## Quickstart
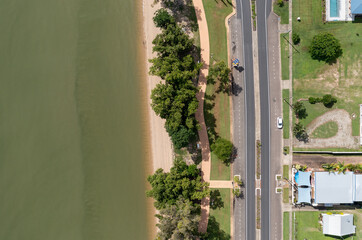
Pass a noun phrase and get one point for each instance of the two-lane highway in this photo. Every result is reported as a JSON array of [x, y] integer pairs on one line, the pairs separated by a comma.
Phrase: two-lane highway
[[263, 10], [244, 14]]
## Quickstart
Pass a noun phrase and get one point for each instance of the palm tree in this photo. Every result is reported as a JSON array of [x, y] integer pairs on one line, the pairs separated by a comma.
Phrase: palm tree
[[341, 168]]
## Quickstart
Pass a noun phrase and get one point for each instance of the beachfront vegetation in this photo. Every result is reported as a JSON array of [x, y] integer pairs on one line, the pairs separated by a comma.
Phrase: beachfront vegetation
[[162, 18], [223, 149], [325, 47], [175, 98], [219, 74], [183, 181], [179, 221]]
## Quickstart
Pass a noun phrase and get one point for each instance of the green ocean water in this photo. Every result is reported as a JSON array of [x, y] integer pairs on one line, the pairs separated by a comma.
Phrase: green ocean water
[[71, 161]]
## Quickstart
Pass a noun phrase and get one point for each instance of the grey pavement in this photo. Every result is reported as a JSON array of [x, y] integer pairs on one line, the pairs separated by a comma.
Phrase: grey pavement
[[244, 17], [238, 98]]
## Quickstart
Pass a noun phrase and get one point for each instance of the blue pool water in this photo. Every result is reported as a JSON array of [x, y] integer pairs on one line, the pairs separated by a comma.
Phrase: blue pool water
[[296, 176], [334, 11]]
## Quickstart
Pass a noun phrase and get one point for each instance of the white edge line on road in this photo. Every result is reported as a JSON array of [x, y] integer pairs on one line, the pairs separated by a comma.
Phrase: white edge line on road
[[267, 68], [246, 118]]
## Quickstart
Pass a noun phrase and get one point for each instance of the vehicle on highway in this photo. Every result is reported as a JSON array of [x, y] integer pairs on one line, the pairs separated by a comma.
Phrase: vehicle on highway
[[280, 122]]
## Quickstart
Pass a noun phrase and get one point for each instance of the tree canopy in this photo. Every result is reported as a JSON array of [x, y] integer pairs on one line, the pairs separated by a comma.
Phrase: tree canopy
[[175, 99], [300, 110], [325, 47], [162, 18], [220, 73], [300, 132], [223, 149], [183, 181], [179, 221]]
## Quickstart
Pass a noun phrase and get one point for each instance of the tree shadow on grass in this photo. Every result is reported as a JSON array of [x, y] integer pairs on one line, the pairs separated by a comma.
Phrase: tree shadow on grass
[[210, 119], [214, 232], [216, 201]]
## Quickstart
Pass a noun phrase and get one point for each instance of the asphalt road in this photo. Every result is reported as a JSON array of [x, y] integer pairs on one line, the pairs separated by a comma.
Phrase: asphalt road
[[244, 13], [263, 10]]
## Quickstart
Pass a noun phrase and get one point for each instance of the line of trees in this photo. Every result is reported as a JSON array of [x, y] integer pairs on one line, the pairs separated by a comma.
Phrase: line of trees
[[177, 196], [175, 98]]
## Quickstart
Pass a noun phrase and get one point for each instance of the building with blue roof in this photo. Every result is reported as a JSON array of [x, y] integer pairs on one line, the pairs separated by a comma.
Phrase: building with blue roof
[[356, 8]]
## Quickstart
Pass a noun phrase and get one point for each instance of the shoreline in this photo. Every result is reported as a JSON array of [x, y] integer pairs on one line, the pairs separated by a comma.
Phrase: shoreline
[[158, 152]]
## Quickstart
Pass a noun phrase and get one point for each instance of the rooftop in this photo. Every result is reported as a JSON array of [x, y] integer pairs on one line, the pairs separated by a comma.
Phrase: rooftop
[[338, 224], [356, 6]]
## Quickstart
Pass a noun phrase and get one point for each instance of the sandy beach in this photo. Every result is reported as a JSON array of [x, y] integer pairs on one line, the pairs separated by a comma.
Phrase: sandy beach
[[160, 152], [161, 147]]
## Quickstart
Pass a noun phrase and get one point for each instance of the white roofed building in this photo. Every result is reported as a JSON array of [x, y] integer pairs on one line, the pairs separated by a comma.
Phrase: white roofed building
[[338, 224]]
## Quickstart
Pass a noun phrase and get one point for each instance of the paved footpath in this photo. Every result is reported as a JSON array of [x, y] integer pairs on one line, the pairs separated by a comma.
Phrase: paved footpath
[[204, 141]]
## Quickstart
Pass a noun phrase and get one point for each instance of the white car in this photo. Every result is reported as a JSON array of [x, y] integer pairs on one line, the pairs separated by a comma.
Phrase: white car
[[280, 122]]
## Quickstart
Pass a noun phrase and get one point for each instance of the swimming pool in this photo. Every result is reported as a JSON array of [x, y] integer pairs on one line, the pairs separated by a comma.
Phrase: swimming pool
[[334, 10], [296, 177]]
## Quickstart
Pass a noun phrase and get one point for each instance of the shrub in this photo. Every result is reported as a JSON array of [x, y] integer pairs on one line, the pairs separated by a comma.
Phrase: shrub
[[312, 100], [295, 38], [300, 132], [280, 3], [325, 47], [328, 100]]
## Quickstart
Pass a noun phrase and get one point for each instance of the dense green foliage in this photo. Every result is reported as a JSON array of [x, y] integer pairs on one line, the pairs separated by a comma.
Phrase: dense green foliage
[[300, 132], [175, 98], [280, 3], [223, 149], [162, 18], [182, 181], [220, 73], [328, 100], [295, 38], [300, 110], [179, 221], [325, 47]]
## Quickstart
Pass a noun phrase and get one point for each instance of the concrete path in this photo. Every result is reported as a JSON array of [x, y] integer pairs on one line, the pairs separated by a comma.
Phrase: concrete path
[[221, 184], [204, 141], [343, 138]]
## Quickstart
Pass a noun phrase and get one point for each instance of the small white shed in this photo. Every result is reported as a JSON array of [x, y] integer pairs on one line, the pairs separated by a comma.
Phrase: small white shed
[[338, 224]]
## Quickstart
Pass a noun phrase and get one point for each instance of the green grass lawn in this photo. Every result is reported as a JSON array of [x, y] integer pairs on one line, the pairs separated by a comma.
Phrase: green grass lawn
[[286, 171], [285, 195], [307, 226], [327, 130], [222, 216], [284, 55], [286, 114], [283, 12], [217, 105], [286, 226], [313, 78]]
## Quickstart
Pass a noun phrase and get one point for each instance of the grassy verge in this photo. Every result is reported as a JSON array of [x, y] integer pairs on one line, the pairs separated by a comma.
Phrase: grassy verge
[[253, 11], [327, 130], [285, 195], [222, 217], [342, 79], [286, 114], [307, 226], [286, 226], [283, 12], [217, 105], [284, 55], [286, 171]]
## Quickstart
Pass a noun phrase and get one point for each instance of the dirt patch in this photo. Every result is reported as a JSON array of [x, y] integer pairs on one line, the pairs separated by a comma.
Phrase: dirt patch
[[316, 161]]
